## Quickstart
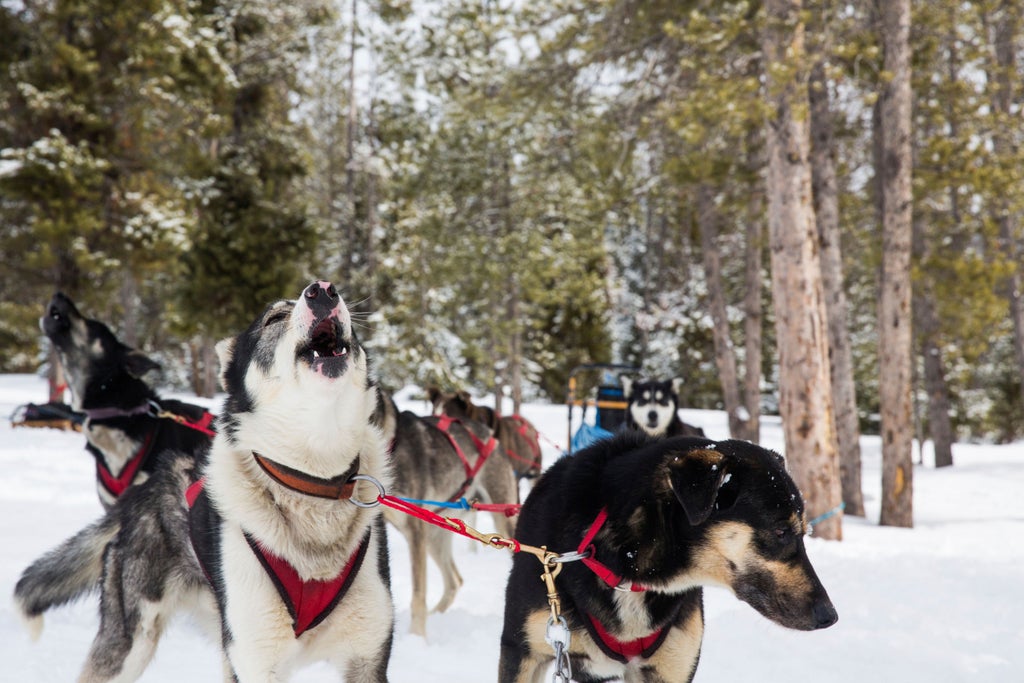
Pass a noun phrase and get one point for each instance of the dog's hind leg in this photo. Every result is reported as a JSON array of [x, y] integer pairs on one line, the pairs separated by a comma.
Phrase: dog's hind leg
[[125, 643], [439, 546], [131, 620], [418, 557]]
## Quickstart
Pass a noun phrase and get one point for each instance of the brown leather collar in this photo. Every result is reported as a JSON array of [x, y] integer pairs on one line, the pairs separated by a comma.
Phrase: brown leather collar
[[335, 488]]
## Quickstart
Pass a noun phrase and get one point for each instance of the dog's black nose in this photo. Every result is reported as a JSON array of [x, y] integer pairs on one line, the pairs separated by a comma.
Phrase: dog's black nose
[[321, 295], [825, 614]]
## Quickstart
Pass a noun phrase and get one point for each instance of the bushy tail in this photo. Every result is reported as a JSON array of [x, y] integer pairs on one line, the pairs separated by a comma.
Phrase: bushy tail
[[64, 574]]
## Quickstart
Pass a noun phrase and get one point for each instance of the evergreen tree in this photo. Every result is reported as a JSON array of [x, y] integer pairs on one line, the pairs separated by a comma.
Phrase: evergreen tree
[[253, 237]]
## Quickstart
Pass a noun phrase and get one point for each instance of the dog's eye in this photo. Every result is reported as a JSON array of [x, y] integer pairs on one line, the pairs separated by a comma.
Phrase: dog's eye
[[783, 534], [275, 317]]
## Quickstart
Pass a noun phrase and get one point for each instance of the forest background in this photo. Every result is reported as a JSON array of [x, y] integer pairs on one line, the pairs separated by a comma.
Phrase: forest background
[[505, 190]]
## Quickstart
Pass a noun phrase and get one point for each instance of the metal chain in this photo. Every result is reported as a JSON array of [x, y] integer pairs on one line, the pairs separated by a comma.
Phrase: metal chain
[[559, 637]]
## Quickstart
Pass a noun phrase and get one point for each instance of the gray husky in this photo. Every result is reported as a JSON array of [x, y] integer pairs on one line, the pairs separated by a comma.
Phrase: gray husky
[[427, 459], [128, 427], [264, 537]]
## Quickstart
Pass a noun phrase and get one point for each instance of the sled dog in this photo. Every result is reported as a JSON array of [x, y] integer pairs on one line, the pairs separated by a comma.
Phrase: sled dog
[[263, 536], [517, 434], [652, 406], [444, 460], [128, 427], [656, 519]]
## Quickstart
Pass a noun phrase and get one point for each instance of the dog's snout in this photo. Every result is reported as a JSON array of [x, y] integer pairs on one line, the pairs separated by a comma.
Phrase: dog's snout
[[321, 293], [825, 614]]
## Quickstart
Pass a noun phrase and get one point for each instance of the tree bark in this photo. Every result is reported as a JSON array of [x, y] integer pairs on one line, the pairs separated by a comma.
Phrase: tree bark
[[940, 427], [752, 307], [826, 202], [725, 354], [894, 314], [1004, 74], [130, 307], [57, 380], [805, 386]]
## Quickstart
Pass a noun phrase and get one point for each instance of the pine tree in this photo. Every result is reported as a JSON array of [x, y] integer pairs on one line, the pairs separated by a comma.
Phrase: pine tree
[[253, 236]]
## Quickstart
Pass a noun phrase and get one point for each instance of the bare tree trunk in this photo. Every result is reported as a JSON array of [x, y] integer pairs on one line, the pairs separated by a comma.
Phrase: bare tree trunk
[[130, 306], [826, 202], [203, 366], [1007, 26], [349, 228], [753, 314], [515, 348], [725, 355], [940, 427], [894, 315], [57, 381], [209, 375], [805, 384]]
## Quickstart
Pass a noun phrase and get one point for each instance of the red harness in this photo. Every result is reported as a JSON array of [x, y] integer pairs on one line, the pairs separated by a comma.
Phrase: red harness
[[622, 651], [523, 427], [599, 568], [118, 484], [308, 602], [484, 449]]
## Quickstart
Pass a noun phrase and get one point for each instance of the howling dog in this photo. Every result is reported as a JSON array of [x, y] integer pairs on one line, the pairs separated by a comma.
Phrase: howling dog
[[519, 437], [128, 426], [644, 523], [653, 407], [441, 459], [266, 539]]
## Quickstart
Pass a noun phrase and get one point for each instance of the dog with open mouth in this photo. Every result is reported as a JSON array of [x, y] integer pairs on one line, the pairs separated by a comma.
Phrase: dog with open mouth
[[273, 538], [128, 425]]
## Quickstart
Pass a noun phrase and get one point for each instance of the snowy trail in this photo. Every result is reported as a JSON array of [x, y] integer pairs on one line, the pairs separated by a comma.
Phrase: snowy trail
[[941, 603]]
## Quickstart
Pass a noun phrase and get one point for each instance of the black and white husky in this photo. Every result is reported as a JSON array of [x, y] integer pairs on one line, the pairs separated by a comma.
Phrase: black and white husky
[[264, 537], [652, 407], [128, 427]]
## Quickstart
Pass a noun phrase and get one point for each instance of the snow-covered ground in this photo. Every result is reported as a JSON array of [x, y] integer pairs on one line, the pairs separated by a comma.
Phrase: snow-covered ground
[[942, 602]]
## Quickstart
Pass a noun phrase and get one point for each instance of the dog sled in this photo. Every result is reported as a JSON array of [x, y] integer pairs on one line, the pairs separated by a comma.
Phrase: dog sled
[[54, 415], [608, 401]]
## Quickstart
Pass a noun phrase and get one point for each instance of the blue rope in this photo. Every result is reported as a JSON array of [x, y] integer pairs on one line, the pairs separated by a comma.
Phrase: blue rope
[[831, 513], [460, 504]]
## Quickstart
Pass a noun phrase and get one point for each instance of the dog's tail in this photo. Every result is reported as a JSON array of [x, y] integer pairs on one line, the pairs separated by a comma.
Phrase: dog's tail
[[64, 574]]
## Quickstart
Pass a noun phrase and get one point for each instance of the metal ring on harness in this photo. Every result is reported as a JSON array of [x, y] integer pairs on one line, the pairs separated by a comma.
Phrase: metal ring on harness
[[380, 489], [572, 557]]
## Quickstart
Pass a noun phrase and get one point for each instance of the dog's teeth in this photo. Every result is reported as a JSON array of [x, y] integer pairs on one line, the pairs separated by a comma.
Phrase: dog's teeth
[[316, 354]]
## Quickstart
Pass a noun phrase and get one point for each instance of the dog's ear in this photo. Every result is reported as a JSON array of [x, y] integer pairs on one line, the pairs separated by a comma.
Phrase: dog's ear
[[225, 350], [627, 386], [677, 384], [695, 477], [138, 364], [465, 397]]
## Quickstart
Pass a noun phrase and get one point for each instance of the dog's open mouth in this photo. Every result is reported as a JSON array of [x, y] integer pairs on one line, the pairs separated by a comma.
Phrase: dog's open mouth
[[327, 351]]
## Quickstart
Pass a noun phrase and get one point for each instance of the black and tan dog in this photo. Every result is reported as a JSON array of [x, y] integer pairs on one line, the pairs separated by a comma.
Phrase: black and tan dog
[[128, 426], [517, 434], [656, 519]]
